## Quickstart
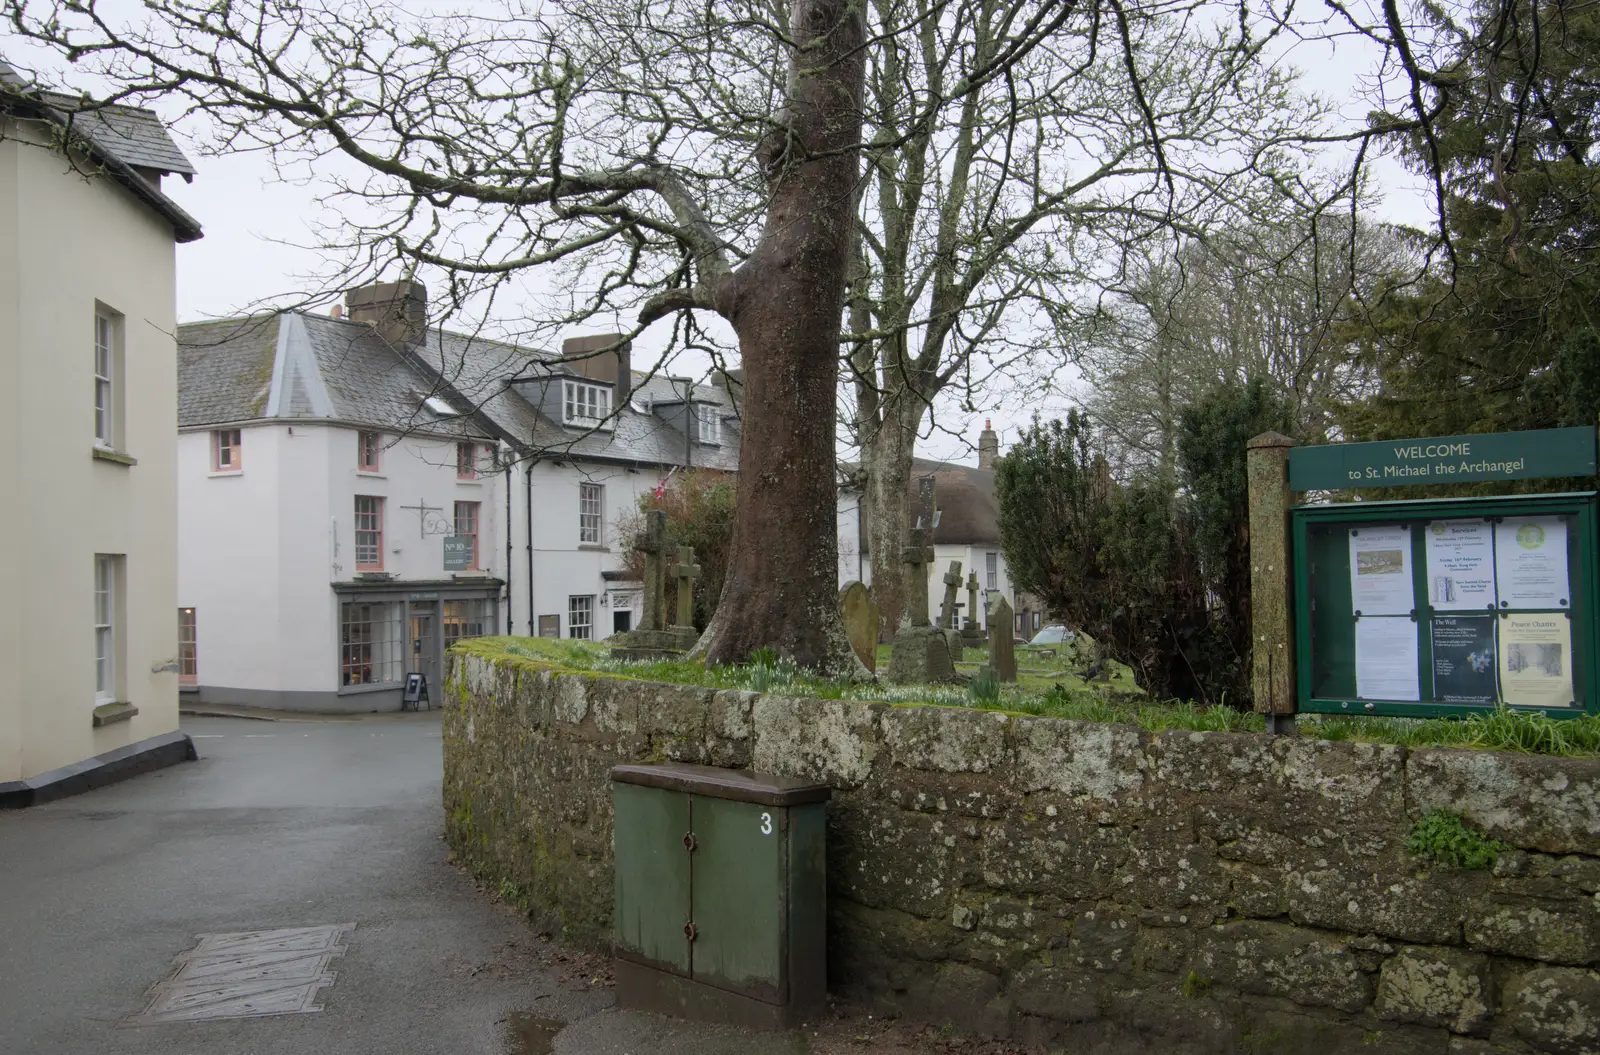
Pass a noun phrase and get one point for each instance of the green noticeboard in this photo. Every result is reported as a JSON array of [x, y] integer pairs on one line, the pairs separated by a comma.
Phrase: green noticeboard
[[458, 552], [1535, 454], [1429, 608]]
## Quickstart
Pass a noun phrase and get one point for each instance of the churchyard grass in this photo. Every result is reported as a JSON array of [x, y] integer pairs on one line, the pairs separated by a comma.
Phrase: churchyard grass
[[1061, 694]]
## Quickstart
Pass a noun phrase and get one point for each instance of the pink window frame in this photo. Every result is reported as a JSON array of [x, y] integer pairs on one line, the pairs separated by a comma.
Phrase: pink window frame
[[476, 511], [362, 462], [235, 451], [360, 565], [466, 461]]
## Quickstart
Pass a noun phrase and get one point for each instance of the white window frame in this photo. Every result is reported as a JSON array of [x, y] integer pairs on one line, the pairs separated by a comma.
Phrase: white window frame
[[580, 617], [107, 572], [708, 419], [107, 379], [585, 403], [991, 570], [591, 514]]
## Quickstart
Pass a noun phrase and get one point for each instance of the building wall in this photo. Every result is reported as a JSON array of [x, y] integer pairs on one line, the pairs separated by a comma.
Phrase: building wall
[[68, 243], [263, 546], [853, 566], [11, 440], [563, 567]]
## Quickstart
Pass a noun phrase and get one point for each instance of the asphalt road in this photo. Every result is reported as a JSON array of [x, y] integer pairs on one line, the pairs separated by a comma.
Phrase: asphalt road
[[279, 825]]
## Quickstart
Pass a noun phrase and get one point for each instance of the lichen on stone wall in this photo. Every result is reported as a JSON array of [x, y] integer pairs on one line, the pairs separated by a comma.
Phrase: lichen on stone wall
[[1088, 885]]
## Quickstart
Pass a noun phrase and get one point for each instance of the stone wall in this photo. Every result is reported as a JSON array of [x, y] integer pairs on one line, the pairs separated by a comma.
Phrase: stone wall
[[1088, 886]]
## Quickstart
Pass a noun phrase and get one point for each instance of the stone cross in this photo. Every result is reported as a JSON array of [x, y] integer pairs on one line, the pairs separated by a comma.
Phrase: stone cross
[[919, 555], [686, 571], [972, 602], [653, 543], [1002, 649], [952, 583]]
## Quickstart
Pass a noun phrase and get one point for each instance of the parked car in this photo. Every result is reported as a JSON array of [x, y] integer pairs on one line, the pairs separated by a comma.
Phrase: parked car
[[1054, 634]]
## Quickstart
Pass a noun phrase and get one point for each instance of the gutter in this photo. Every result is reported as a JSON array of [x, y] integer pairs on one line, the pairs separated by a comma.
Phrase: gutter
[[529, 512], [510, 594]]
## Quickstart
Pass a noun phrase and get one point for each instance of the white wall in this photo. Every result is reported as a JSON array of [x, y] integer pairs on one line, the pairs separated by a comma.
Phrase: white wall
[[262, 547], [972, 559], [67, 242], [562, 568]]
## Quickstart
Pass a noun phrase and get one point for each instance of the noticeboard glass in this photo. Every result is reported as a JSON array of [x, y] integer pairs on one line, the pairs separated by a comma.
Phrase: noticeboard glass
[[1424, 608]]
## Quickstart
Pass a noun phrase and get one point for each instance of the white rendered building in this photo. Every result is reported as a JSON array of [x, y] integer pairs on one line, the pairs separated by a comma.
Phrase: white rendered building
[[88, 624], [967, 529], [358, 491]]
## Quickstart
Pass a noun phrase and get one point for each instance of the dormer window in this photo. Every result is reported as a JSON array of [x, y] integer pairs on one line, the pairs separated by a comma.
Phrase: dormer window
[[709, 422], [586, 404]]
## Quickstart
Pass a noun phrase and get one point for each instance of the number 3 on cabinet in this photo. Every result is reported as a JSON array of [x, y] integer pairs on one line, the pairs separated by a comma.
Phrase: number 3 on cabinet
[[766, 824]]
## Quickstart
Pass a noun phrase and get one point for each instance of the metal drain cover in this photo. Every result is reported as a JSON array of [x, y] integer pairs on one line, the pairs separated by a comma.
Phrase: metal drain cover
[[248, 975]]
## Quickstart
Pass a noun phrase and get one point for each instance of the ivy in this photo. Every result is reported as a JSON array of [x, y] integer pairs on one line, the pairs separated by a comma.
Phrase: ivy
[[1445, 837]]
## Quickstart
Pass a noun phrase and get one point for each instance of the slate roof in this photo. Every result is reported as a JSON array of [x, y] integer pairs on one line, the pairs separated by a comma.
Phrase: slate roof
[[298, 365], [134, 135], [121, 139]]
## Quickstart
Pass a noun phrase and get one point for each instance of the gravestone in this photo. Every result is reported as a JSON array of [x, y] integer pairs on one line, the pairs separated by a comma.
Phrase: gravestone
[[972, 635], [919, 555], [655, 638], [952, 583], [1002, 650], [921, 654], [860, 616], [655, 546], [686, 571]]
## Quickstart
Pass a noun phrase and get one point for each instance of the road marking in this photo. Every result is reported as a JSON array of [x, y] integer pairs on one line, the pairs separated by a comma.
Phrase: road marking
[[250, 974]]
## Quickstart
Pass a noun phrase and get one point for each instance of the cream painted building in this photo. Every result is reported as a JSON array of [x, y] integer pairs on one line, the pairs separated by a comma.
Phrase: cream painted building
[[89, 652]]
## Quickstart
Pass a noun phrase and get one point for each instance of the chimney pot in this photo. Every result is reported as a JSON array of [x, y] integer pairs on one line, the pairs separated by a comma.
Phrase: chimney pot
[[988, 447], [337, 311]]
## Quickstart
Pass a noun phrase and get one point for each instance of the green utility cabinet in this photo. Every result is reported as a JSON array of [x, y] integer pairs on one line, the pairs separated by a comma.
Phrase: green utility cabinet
[[720, 894]]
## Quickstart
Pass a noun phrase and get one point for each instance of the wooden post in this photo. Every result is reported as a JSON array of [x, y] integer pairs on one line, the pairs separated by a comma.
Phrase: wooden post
[[1272, 676]]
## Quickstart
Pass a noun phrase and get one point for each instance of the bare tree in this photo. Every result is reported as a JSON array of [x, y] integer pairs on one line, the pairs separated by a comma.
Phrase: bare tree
[[1275, 298], [1130, 124]]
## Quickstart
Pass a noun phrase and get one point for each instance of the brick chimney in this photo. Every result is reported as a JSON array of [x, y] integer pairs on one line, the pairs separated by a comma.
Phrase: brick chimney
[[398, 311], [988, 447], [614, 367]]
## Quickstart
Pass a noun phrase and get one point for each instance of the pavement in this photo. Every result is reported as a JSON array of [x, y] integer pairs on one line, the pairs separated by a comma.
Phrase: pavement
[[290, 824]]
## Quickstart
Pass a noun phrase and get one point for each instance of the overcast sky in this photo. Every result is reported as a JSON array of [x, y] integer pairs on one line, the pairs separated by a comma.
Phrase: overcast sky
[[260, 227]]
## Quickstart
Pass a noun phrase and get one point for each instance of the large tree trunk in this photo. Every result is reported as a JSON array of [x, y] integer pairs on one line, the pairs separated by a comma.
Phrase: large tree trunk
[[786, 304], [887, 459]]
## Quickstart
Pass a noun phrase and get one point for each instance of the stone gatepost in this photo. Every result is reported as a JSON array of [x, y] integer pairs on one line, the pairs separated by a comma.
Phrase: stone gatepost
[[1272, 674]]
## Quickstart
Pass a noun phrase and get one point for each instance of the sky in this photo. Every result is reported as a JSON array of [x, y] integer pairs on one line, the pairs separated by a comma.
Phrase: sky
[[260, 232]]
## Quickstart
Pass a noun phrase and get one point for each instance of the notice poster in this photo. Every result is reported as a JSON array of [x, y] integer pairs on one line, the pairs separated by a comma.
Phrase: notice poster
[[1536, 660], [1460, 565], [1386, 658], [1530, 561], [1463, 659], [1380, 570]]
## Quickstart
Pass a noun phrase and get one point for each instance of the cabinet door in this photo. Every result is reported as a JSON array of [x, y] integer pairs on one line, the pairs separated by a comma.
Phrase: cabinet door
[[739, 897], [652, 875]]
